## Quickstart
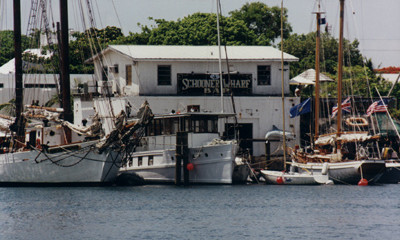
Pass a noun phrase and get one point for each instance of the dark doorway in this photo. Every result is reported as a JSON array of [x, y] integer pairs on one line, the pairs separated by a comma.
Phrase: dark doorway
[[32, 138], [244, 133]]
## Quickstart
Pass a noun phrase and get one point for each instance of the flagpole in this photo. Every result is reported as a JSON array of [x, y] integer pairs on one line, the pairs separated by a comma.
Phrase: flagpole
[[317, 71], [283, 92], [340, 72]]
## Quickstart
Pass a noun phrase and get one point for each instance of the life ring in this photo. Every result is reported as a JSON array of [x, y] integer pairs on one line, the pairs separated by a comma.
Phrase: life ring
[[363, 152], [356, 122]]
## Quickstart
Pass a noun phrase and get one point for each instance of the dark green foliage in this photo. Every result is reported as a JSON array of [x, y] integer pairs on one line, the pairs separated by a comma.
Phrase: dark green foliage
[[7, 45]]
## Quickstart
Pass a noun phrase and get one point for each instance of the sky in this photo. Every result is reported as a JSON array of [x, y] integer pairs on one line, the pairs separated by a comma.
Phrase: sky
[[376, 24]]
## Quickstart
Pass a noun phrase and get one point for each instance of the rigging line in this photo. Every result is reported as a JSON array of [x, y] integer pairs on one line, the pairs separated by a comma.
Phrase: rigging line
[[116, 13]]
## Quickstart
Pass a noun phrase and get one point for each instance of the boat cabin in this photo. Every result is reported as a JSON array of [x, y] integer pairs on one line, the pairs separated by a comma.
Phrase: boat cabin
[[201, 128]]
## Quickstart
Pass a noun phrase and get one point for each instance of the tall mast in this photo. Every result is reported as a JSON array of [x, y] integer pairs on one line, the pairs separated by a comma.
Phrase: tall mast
[[66, 95], [221, 81], [317, 71], [18, 67], [283, 92], [340, 72]]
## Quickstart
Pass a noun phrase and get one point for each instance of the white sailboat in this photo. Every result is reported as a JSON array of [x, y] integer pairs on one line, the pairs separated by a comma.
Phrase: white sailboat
[[36, 144]]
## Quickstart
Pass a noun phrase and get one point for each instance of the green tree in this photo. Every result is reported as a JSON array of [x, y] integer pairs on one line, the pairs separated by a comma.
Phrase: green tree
[[303, 47], [7, 45], [264, 21], [195, 29], [88, 43]]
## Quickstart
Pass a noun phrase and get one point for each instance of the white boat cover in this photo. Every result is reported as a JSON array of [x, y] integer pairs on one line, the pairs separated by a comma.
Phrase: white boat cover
[[345, 137]]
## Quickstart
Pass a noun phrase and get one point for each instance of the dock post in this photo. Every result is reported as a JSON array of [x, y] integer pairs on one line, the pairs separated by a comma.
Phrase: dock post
[[178, 158], [185, 156]]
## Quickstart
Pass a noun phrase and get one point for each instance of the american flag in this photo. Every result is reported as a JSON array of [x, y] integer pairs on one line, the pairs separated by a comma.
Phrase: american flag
[[346, 107], [377, 106]]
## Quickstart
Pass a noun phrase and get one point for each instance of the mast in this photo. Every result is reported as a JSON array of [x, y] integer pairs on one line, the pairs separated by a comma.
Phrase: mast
[[340, 72], [65, 81], [66, 94], [219, 59], [317, 71], [18, 68], [283, 92]]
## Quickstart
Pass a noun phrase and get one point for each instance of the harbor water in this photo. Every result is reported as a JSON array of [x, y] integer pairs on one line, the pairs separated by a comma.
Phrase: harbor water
[[201, 212]]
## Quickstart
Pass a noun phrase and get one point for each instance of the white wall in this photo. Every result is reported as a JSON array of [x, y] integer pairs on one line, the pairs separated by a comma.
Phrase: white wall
[[144, 74], [262, 112]]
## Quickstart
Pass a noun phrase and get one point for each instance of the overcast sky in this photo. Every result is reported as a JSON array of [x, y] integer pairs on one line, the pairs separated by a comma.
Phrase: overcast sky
[[375, 23]]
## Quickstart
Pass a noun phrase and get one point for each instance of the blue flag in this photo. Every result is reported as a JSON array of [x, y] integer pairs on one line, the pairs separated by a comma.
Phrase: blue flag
[[302, 108]]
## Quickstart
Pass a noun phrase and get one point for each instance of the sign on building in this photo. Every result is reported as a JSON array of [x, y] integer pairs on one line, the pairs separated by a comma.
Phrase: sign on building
[[199, 84]]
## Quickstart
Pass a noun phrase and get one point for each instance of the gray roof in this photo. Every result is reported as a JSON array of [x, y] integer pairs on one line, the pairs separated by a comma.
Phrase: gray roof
[[198, 53]]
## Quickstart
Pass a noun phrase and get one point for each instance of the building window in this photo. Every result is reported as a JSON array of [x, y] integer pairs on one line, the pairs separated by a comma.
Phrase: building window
[[39, 85], [128, 75], [150, 161], [164, 75], [264, 75], [1, 85]]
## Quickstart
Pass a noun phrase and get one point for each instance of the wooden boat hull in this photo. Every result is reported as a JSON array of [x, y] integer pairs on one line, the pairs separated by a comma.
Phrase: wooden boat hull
[[71, 164], [349, 172]]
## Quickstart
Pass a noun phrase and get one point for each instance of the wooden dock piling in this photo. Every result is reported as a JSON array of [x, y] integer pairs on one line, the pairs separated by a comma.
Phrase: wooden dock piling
[[182, 155]]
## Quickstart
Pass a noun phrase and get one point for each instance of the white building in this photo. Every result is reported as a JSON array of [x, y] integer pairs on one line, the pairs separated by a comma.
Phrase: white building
[[37, 87], [184, 78]]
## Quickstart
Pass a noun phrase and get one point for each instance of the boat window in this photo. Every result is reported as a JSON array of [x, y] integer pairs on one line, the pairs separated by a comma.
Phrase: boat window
[[140, 161], [150, 129], [1, 85], [264, 75], [158, 127], [211, 126], [175, 127], [164, 74], [150, 161], [196, 125], [168, 126], [187, 127]]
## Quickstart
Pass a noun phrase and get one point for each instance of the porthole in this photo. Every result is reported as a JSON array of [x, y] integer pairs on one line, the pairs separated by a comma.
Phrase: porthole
[[52, 133]]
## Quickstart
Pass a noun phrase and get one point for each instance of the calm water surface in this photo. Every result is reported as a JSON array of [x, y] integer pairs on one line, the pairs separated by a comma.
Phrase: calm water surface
[[201, 212]]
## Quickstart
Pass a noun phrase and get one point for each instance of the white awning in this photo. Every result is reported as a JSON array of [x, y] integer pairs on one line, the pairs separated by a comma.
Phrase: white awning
[[308, 78]]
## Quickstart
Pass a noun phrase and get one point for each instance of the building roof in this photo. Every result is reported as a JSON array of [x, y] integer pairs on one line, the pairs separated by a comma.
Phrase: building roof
[[198, 53]]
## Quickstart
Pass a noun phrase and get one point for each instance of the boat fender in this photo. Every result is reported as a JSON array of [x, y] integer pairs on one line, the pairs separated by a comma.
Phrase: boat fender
[[325, 168], [385, 153], [190, 166], [38, 143], [279, 180]]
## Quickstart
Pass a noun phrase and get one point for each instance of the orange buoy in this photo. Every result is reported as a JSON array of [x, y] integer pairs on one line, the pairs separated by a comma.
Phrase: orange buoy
[[279, 180], [190, 166], [363, 182]]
